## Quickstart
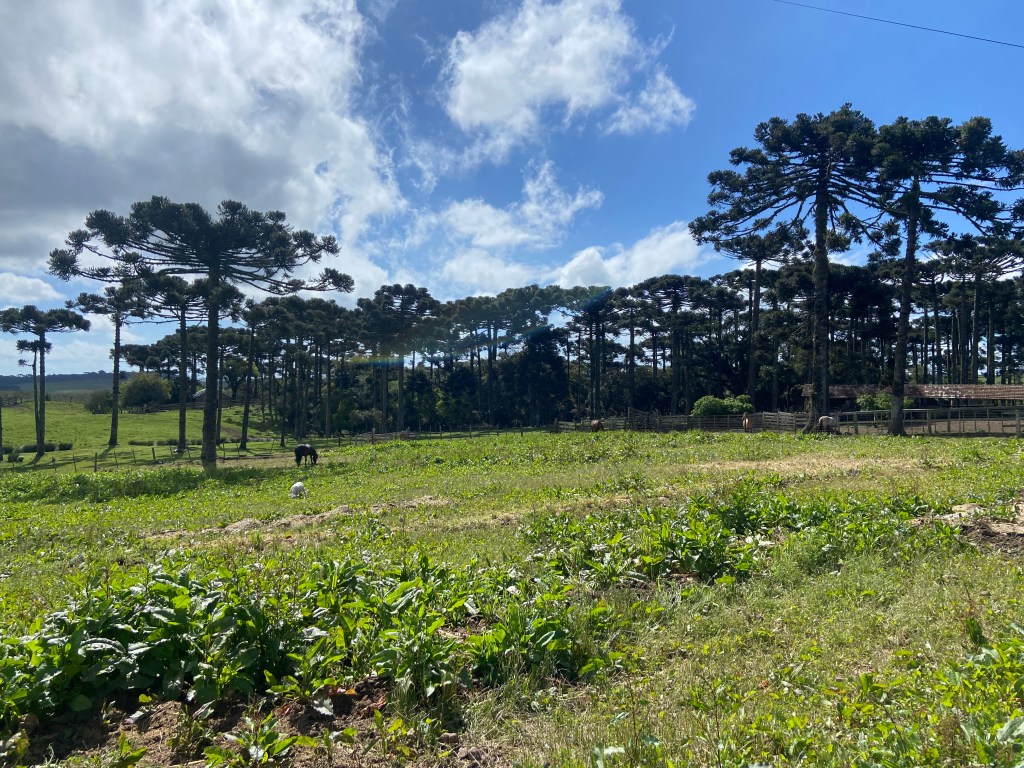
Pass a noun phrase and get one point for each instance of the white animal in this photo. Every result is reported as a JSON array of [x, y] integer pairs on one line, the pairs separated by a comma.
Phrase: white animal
[[299, 489]]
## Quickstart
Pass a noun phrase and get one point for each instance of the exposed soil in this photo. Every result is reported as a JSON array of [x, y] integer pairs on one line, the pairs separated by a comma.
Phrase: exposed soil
[[158, 727], [292, 523], [978, 525]]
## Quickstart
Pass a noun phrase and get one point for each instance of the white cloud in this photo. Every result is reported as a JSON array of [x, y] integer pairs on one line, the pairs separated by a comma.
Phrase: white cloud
[[666, 250], [196, 100], [17, 290], [538, 220], [484, 225], [659, 107], [481, 272], [574, 56], [78, 352]]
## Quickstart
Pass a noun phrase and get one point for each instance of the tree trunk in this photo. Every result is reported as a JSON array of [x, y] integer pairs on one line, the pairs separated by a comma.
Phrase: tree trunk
[[115, 391], [899, 367], [243, 442], [937, 340], [41, 408], [220, 394], [990, 349], [327, 388], [755, 320], [183, 387], [211, 404], [400, 404], [974, 365], [819, 330]]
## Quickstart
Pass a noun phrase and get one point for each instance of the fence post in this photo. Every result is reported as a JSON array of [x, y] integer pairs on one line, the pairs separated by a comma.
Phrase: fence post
[[75, 461], [856, 422], [95, 462], [1017, 410], [928, 420], [133, 456], [153, 448]]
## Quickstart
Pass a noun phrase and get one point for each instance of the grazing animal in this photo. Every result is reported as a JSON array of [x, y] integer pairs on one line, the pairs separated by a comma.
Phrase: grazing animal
[[748, 423], [827, 424], [596, 425], [305, 451], [299, 489]]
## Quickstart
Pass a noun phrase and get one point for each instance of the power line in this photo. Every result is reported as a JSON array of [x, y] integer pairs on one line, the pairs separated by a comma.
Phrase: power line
[[900, 23]]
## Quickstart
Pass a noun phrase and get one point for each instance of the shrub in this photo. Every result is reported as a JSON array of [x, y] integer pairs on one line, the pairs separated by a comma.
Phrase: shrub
[[880, 402], [716, 406], [31, 448], [145, 391], [709, 406], [99, 401]]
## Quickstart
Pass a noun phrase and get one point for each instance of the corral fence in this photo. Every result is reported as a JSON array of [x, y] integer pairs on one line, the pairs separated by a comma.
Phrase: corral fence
[[968, 420], [1007, 421], [656, 422]]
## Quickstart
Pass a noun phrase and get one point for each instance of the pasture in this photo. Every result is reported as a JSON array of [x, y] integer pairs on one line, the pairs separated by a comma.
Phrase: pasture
[[605, 599], [143, 438]]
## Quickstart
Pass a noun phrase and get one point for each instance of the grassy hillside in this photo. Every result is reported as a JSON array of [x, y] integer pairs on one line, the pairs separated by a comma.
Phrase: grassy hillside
[[581, 600], [141, 436], [59, 383]]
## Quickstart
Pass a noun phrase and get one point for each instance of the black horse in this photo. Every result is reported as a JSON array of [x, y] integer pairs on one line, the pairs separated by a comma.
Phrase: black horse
[[305, 451]]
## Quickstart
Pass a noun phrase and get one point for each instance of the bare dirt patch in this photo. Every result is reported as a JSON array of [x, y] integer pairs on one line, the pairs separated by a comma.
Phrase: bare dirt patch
[[292, 523], [980, 526], [159, 729]]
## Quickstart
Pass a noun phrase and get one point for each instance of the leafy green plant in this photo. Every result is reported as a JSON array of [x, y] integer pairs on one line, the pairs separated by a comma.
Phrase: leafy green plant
[[190, 735], [256, 743], [123, 755], [314, 678]]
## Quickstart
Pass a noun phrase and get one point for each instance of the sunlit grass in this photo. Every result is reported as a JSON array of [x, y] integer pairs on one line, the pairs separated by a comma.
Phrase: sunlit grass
[[746, 667]]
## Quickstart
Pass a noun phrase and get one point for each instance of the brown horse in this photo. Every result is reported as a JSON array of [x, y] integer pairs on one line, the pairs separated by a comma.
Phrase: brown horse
[[596, 425], [748, 422], [305, 451]]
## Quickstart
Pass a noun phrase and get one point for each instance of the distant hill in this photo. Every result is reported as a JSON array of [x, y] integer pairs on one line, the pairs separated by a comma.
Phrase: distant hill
[[59, 382]]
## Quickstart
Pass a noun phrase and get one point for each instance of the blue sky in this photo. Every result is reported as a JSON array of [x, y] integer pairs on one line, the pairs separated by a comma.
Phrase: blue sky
[[464, 146]]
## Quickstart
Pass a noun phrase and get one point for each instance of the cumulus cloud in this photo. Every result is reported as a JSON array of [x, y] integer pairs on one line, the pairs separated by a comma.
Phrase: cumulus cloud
[[538, 220], [574, 57], [17, 290], [103, 103], [481, 272], [666, 250], [659, 107]]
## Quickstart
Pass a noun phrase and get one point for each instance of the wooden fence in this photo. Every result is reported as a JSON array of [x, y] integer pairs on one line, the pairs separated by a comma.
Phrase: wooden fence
[[654, 422], [1007, 421]]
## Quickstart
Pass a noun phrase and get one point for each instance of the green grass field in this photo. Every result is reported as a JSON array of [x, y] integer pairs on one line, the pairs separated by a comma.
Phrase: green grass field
[[618, 599], [142, 437]]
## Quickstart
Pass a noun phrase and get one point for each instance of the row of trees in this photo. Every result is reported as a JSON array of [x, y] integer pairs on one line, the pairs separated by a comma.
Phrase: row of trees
[[813, 187], [531, 355], [831, 180]]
